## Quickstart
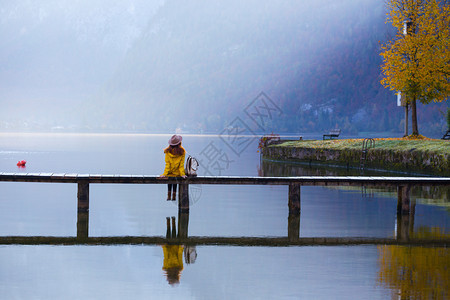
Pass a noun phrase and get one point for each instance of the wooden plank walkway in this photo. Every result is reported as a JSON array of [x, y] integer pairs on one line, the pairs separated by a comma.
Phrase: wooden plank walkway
[[231, 180]]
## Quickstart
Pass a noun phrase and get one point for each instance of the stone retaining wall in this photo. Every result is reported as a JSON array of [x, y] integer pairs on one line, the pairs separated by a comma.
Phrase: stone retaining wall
[[412, 161]]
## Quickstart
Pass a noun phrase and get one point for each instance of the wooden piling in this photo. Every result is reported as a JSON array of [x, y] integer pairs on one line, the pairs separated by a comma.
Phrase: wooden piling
[[83, 196], [82, 224], [183, 197], [405, 221], [174, 228], [293, 227], [403, 228], [168, 231], [403, 200], [294, 199], [183, 224]]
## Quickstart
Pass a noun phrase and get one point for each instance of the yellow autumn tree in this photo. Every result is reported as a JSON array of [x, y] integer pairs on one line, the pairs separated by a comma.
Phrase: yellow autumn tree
[[417, 61]]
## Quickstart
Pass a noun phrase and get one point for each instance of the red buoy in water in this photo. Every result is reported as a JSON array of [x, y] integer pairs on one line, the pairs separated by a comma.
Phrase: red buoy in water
[[21, 163]]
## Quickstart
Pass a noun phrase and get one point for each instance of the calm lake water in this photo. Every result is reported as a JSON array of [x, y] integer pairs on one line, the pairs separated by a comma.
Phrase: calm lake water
[[213, 271]]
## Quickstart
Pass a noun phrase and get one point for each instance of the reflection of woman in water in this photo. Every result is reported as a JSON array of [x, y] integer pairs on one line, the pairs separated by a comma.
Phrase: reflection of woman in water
[[173, 262], [173, 256]]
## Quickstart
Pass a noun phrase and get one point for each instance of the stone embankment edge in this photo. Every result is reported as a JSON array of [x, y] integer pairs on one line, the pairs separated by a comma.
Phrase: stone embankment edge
[[411, 161]]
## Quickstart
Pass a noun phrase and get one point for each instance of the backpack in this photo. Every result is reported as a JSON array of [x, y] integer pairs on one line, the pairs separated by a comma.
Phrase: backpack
[[191, 166]]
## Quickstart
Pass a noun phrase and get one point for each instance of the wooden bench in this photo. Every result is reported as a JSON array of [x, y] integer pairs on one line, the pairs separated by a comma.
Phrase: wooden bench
[[446, 135], [333, 133]]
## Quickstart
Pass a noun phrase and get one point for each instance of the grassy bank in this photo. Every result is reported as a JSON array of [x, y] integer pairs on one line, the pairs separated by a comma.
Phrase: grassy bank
[[415, 154]]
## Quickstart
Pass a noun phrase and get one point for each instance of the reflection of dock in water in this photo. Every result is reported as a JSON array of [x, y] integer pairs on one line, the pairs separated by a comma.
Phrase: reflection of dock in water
[[219, 241], [177, 234]]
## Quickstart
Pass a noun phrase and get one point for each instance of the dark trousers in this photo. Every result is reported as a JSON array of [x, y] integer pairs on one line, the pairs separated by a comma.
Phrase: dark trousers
[[172, 187]]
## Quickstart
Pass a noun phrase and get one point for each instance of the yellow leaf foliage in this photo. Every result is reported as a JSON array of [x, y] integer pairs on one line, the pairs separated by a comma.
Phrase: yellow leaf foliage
[[418, 63]]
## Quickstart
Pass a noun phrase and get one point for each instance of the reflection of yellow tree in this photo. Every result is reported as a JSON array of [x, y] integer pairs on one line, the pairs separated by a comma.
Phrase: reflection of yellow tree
[[416, 272]]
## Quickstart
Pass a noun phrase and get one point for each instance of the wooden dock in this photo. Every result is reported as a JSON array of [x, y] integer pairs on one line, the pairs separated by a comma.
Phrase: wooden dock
[[233, 180], [84, 180], [405, 209]]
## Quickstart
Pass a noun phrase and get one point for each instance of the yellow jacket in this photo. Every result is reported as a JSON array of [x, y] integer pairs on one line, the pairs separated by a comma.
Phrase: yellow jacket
[[174, 164]]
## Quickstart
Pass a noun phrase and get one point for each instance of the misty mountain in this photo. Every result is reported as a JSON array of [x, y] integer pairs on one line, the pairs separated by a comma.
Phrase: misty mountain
[[196, 65], [199, 64]]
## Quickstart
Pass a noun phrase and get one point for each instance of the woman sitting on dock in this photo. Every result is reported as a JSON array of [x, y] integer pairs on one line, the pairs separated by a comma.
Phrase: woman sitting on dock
[[175, 155]]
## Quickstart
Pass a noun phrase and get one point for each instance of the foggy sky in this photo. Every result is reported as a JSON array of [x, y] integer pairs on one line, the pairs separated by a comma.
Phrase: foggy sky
[[71, 63]]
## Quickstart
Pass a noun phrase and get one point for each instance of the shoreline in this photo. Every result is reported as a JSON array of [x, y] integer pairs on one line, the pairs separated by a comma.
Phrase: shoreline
[[422, 156]]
